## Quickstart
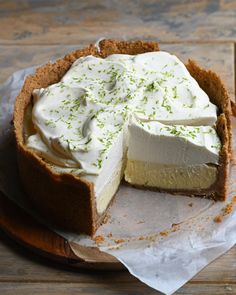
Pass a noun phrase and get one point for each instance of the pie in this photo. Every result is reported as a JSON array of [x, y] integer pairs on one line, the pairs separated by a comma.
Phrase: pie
[[123, 110]]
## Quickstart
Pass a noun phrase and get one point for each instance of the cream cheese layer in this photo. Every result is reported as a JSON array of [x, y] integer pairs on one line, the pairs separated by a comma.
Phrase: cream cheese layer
[[172, 177], [82, 121]]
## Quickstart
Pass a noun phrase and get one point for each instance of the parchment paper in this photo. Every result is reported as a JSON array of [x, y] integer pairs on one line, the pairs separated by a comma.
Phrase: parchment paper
[[163, 240]]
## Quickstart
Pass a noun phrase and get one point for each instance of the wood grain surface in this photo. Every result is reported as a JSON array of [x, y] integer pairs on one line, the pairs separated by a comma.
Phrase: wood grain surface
[[33, 32], [73, 22]]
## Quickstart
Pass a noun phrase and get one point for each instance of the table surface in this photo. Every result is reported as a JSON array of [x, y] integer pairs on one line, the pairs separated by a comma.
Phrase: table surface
[[33, 32]]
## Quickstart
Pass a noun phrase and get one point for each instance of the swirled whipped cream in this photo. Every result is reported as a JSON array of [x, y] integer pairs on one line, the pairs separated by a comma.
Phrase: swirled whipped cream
[[82, 121]]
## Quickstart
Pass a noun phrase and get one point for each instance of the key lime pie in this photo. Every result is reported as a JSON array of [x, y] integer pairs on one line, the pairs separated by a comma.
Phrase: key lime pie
[[126, 111]]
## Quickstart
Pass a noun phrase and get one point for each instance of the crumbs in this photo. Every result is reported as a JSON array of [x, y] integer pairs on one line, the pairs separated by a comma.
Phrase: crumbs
[[175, 227], [190, 204], [161, 234], [164, 233], [119, 241], [99, 239], [218, 219], [110, 235], [228, 209], [225, 211], [112, 241]]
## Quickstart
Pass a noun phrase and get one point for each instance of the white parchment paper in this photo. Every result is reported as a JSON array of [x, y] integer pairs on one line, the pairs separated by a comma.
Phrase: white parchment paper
[[163, 240]]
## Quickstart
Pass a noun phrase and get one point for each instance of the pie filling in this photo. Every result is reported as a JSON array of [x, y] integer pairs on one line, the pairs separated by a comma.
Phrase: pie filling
[[171, 177], [142, 116]]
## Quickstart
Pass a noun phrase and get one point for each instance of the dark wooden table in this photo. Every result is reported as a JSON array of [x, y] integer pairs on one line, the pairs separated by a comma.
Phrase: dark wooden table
[[32, 32]]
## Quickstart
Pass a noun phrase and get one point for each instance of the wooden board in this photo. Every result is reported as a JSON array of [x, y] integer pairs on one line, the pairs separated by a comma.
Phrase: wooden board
[[26, 230], [134, 288]]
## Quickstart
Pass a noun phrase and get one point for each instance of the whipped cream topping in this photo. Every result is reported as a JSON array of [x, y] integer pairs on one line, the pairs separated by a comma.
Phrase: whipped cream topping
[[82, 121], [175, 145]]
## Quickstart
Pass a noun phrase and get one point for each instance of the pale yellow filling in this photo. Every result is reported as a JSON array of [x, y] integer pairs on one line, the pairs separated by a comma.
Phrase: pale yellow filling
[[110, 189], [170, 177]]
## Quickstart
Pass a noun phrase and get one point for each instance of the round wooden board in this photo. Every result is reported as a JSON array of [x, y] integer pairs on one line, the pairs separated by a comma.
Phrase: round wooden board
[[27, 231]]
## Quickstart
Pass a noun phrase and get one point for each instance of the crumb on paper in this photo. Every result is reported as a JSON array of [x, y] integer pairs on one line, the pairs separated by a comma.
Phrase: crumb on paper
[[174, 224], [174, 229], [228, 209], [109, 235], [164, 233], [147, 238], [119, 241], [141, 221], [190, 204], [218, 219], [99, 239]]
